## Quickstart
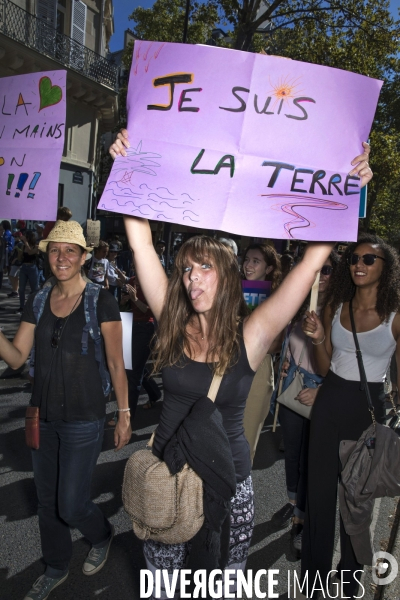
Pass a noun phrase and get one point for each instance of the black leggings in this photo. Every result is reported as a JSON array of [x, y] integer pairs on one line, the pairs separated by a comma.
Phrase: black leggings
[[340, 413]]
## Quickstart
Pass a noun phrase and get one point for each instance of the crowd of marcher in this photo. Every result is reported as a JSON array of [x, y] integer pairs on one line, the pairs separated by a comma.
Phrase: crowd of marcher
[[194, 325]]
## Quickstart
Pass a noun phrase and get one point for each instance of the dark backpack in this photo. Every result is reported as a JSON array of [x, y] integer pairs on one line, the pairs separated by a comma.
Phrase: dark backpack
[[90, 301]]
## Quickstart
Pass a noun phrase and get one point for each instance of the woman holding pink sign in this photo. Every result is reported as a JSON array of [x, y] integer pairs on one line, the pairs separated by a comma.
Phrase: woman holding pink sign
[[204, 329]]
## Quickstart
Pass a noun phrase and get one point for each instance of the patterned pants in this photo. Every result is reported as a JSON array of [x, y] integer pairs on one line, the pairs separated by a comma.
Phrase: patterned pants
[[174, 556]]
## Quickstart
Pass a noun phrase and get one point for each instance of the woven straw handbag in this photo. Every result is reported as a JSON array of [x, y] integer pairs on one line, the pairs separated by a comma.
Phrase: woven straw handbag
[[163, 507]]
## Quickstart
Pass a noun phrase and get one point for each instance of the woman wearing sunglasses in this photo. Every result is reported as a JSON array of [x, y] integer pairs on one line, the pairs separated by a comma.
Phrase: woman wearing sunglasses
[[69, 393], [369, 275], [295, 427]]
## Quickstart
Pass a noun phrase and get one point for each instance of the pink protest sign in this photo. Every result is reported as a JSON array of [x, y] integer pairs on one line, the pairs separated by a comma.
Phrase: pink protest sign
[[251, 144], [32, 124]]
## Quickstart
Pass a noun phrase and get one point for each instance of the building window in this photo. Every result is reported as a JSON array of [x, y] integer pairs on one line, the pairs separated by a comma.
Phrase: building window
[[60, 21], [78, 25], [46, 11], [78, 29]]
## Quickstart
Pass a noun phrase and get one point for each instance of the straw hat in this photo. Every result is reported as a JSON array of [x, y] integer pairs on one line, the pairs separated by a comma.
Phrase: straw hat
[[65, 231]]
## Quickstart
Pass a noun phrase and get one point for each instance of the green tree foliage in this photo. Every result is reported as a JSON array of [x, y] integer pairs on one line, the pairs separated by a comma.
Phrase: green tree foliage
[[355, 35], [164, 21]]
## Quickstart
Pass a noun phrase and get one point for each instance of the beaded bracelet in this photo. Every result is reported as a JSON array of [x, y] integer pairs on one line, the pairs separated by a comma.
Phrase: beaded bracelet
[[123, 409], [318, 343]]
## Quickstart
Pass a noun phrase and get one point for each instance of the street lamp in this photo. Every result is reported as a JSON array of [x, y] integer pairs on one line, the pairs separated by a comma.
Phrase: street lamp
[[185, 28]]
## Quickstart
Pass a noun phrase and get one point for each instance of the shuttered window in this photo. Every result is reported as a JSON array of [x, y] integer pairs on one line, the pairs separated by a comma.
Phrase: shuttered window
[[78, 21], [46, 10]]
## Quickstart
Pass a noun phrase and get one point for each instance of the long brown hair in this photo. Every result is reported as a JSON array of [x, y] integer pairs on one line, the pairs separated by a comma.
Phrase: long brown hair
[[342, 288], [173, 341], [272, 259]]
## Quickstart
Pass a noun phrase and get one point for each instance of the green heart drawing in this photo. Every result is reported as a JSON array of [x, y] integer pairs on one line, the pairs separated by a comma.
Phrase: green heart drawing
[[49, 94]]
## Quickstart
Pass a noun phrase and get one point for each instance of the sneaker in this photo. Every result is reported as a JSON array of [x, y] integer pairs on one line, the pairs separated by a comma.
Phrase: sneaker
[[296, 539], [43, 586], [97, 557], [284, 515], [13, 295]]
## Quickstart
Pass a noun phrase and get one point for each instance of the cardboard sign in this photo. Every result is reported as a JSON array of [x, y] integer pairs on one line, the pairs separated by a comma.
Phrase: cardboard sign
[[92, 233], [236, 141], [32, 126], [255, 292]]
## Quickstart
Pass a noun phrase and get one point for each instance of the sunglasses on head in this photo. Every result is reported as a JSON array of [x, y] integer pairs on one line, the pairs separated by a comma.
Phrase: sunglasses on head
[[368, 259], [57, 331], [326, 270]]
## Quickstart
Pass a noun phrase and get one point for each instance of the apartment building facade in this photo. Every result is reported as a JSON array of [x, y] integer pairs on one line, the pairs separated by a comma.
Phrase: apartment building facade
[[46, 35]]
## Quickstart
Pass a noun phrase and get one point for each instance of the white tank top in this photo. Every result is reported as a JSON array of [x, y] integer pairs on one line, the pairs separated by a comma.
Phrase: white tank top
[[377, 347]]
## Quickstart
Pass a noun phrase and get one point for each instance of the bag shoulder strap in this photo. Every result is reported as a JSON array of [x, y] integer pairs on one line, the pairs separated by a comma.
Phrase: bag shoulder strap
[[363, 376], [212, 394], [214, 387], [302, 354]]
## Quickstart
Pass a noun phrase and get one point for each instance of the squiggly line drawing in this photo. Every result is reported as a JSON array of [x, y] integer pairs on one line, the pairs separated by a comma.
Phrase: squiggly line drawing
[[137, 55], [289, 203], [147, 47], [171, 205], [189, 217], [128, 190], [157, 52], [162, 197], [147, 51], [142, 198], [148, 65], [144, 164], [136, 209]]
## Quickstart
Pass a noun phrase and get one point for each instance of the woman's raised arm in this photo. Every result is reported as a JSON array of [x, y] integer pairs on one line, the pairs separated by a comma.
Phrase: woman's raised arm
[[152, 277], [268, 320], [149, 269]]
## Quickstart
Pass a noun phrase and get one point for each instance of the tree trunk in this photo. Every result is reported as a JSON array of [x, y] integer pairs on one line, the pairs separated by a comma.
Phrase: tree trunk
[[244, 37]]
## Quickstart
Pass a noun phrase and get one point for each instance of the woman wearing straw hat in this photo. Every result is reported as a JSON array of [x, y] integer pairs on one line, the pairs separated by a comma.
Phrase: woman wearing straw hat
[[69, 393]]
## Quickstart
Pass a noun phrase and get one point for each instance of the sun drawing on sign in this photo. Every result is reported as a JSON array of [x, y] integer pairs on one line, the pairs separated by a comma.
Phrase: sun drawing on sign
[[285, 89]]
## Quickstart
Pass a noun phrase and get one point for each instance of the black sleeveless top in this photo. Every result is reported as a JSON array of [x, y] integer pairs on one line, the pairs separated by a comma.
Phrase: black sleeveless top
[[186, 383]]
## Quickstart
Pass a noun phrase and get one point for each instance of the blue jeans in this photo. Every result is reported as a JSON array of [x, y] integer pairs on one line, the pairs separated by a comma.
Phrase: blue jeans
[[63, 468], [28, 272]]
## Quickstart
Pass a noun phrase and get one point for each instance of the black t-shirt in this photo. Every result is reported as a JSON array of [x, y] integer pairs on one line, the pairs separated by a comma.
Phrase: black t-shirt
[[191, 380], [67, 384], [28, 259]]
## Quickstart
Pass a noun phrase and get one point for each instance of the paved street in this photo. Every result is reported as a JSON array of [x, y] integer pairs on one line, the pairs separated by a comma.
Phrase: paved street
[[20, 556]]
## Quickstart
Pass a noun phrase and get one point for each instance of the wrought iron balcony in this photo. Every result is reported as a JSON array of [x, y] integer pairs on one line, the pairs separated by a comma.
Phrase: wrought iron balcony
[[30, 31]]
